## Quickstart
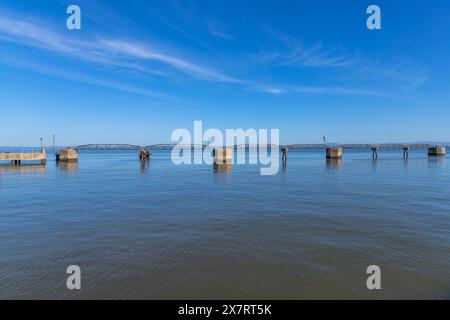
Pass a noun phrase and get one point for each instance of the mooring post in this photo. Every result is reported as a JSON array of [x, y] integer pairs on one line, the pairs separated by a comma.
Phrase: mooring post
[[405, 152]]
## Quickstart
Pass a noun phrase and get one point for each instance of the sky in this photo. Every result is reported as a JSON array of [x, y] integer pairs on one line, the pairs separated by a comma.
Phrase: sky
[[137, 70]]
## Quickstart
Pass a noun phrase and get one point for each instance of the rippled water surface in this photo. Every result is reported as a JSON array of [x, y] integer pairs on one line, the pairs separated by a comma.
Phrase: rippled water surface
[[166, 231]]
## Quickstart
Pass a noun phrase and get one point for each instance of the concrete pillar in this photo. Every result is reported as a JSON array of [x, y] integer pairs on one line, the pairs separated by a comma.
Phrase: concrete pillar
[[67, 155], [375, 152], [144, 154], [223, 155], [334, 153], [436, 151], [405, 152], [223, 158], [284, 151]]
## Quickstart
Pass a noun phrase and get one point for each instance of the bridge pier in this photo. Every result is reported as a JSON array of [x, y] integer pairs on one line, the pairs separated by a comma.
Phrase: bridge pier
[[436, 151], [375, 152], [284, 151], [405, 152], [223, 159], [144, 154], [334, 153]]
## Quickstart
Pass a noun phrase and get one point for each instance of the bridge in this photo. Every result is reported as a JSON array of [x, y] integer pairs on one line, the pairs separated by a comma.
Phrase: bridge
[[291, 146], [108, 147]]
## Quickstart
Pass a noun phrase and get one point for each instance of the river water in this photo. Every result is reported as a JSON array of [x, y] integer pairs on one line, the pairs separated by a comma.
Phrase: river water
[[161, 231]]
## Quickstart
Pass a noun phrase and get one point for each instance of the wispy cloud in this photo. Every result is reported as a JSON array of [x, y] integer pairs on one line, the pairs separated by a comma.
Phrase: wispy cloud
[[216, 30], [141, 51], [157, 61], [291, 51], [402, 72], [335, 90], [82, 78], [114, 52], [318, 55]]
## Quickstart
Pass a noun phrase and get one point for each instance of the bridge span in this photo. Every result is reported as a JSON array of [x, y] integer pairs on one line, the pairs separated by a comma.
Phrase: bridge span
[[108, 147]]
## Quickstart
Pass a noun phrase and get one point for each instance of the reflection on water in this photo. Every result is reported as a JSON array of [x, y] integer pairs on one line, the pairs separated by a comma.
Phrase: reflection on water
[[223, 167], [334, 163], [145, 165], [22, 168], [69, 166], [436, 161], [191, 232]]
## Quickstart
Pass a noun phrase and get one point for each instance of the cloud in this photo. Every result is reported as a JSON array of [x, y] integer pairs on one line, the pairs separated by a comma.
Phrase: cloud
[[402, 72], [82, 78], [151, 59], [335, 90], [318, 55], [215, 30], [141, 51], [113, 52]]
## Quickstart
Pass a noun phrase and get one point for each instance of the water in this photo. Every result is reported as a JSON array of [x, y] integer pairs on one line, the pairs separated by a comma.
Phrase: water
[[162, 231]]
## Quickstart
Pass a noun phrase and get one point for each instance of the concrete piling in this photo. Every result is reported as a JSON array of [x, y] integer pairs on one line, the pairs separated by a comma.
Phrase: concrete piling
[[375, 152], [436, 151], [67, 155], [405, 152], [223, 158], [284, 151], [334, 152], [144, 154]]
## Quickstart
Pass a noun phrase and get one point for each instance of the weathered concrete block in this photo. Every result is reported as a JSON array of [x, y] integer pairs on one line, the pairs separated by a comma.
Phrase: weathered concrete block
[[67, 155], [436, 151], [144, 154], [334, 153], [223, 155]]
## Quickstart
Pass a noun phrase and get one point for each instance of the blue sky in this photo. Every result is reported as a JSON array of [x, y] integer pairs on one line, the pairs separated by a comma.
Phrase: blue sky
[[137, 70]]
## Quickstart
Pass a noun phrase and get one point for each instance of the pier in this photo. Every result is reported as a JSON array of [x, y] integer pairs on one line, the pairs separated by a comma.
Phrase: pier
[[334, 153], [405, 152], [436, 151], [375, 152], [16, 158], [144, 154], [284, 151], [67, 155], [223, 158]]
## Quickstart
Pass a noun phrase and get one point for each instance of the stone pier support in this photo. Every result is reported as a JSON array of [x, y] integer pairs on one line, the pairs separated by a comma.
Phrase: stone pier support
[[375, 152], [334, 153], [405, 152]]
